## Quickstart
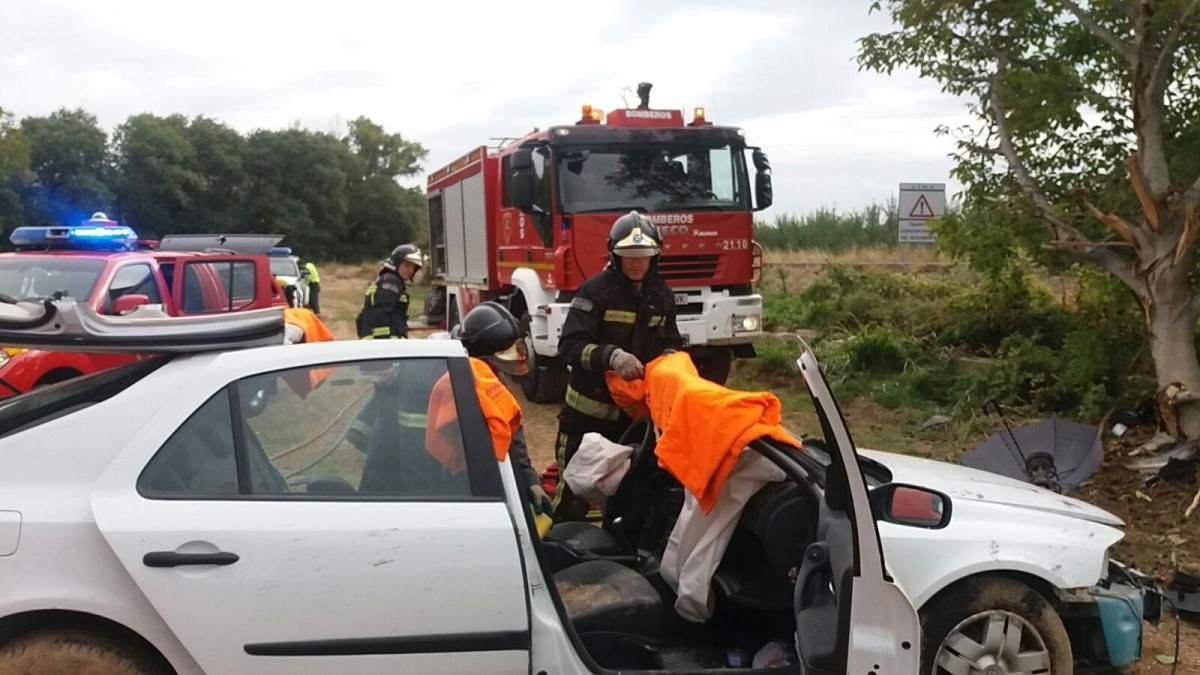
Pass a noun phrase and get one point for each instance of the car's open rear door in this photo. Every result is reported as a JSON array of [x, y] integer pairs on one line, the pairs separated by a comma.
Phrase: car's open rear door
[[850, 616]]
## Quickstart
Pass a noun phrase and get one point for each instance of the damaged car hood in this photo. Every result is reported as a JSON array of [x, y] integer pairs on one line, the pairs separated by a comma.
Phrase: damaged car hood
[[963, 483]]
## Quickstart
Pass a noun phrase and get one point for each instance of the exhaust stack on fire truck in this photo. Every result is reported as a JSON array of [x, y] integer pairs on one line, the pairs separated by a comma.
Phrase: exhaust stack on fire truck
[[527, 223]]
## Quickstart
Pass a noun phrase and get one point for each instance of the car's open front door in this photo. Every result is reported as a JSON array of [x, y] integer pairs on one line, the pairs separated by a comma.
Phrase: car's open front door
[[850, 616]]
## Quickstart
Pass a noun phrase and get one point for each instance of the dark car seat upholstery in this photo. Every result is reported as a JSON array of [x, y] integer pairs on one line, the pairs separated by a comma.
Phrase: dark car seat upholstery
[[615, 611]]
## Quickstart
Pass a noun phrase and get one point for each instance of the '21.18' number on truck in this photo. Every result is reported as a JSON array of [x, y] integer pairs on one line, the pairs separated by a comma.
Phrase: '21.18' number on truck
[[734, 245]]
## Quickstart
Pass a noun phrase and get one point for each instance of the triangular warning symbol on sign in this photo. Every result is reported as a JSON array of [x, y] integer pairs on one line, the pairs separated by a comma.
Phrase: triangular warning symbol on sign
[[921, 209]]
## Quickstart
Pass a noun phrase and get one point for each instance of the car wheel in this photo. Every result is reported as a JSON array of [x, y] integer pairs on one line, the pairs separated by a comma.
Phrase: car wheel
[[71, 651], [993, 626]]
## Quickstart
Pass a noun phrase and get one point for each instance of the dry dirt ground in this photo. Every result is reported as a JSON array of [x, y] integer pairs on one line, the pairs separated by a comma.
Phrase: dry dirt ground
[[1157, 538]]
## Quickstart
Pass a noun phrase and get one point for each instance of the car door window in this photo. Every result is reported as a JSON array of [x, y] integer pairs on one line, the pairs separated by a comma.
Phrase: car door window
[[340, 431], [226, 286], [132, 280], [198, 460]]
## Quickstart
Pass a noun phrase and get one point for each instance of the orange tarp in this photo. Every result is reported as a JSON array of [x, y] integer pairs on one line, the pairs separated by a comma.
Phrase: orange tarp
[[705, 426], [500, 409]]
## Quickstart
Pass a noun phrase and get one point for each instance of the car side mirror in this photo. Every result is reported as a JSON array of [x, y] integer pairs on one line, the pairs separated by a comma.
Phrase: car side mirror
[[911, 505], [521, 165], [764, 193], [129, 302]]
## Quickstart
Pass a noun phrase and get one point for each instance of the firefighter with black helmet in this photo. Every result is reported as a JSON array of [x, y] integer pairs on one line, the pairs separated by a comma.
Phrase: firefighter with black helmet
[[385, 306], [492, 337], [618, 320]]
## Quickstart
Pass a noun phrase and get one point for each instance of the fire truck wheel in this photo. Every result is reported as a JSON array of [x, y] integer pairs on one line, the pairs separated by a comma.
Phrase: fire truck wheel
[[546, 382]]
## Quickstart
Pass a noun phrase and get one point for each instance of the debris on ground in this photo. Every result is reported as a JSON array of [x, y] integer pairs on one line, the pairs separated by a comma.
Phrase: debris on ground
[[935, 421], [1055, 453]]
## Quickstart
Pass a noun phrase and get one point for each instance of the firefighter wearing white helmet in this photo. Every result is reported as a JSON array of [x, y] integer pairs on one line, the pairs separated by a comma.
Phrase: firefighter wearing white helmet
[[384, 313], [618, 320]]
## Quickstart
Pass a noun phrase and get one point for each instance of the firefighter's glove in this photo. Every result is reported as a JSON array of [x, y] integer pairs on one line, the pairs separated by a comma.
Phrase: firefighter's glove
[[540, 501], [627, 365]]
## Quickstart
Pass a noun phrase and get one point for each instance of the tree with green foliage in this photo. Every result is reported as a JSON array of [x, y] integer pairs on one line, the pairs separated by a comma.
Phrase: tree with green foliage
[[14, 171], [156, 177], [382, 213], [1085, 147], [220, 152], [69, 159]]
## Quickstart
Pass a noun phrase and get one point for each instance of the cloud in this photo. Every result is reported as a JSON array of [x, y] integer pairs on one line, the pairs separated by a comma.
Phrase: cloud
[[456, 73]]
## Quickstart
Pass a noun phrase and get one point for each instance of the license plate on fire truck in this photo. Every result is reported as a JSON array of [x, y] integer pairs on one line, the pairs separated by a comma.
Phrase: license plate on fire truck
[[681, 298]]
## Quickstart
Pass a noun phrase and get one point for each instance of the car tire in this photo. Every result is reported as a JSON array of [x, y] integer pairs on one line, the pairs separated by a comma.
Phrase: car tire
[[79, 652], [974, 619]]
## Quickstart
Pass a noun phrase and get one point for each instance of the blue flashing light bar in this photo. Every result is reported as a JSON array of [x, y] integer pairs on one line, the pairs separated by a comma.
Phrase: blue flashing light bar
[[280, 251], [84, 237]]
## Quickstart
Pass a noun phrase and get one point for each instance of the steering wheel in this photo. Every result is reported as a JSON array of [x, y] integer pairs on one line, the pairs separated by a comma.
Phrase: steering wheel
[[641, 428]]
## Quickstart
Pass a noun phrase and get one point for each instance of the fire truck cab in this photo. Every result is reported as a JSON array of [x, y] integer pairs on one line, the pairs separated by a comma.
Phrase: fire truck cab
[[527, 223], [104, 264]]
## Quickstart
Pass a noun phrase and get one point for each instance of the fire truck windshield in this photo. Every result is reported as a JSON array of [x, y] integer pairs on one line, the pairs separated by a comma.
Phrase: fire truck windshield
[[659, 177], [29, 277]]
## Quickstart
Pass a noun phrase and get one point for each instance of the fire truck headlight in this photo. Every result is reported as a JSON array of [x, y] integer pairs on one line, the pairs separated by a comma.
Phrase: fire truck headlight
[[746, 324]]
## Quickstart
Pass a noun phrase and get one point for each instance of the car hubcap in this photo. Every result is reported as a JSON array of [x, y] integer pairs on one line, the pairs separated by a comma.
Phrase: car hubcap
[[993, 643]]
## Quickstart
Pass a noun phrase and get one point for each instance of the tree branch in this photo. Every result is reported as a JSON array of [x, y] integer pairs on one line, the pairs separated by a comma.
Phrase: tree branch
[[1148, 102], [1089, 22], [1102, 256], [1193, 193], [1167, 56]]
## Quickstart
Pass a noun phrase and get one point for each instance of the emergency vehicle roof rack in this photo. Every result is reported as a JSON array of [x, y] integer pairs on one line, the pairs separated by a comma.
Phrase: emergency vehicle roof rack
[[65, 324]]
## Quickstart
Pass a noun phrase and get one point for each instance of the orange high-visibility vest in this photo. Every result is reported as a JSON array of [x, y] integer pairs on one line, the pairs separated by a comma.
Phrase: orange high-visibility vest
[[705, 426], [500, 409], [314, 331]]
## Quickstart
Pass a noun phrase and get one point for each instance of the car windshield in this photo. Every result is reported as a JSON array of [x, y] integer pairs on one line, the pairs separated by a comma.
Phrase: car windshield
[[27, 277], [653, 177], [284, 267]]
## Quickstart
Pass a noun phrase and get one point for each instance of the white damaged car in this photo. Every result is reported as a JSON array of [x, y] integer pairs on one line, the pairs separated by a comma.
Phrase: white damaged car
[[276, 510]]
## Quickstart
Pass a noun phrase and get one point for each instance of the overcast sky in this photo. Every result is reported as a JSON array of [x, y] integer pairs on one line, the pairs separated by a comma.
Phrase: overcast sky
[[452, 73]]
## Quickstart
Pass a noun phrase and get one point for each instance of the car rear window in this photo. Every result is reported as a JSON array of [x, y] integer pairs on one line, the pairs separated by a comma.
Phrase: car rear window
[[284, 267], [51, 402], [26, 277]]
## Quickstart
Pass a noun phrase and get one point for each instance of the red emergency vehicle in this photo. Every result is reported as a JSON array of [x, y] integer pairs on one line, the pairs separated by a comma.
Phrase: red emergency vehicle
[[103, 264], [528, 222]]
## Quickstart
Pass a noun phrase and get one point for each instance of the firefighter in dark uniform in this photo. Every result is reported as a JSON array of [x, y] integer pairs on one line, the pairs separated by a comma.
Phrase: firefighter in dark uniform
[[619, 319], [385, 307]]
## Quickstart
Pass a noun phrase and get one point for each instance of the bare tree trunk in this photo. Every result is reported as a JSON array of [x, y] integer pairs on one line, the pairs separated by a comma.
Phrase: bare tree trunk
[[1171, 324]]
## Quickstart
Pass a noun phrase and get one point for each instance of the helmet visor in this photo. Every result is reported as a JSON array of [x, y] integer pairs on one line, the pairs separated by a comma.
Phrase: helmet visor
[[636, 252], [513, 360]]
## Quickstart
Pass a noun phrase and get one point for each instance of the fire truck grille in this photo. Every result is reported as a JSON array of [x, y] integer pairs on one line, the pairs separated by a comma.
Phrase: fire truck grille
[[684, 267]]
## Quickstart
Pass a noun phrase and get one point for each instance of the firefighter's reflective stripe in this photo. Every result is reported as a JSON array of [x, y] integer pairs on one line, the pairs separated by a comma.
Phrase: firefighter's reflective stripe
[[590, 406], [585, 356], [656, 320], [380, 333], [619, 316], [413, 420]]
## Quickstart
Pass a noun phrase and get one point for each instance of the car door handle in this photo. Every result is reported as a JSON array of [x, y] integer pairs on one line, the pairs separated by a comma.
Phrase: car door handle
[[173, 559]]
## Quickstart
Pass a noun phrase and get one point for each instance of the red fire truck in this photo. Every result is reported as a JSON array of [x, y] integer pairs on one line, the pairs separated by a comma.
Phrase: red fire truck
[[527, 222]]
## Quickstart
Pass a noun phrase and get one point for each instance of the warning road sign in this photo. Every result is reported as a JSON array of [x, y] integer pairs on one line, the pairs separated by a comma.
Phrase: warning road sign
[[921, 209], [920, 202]]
